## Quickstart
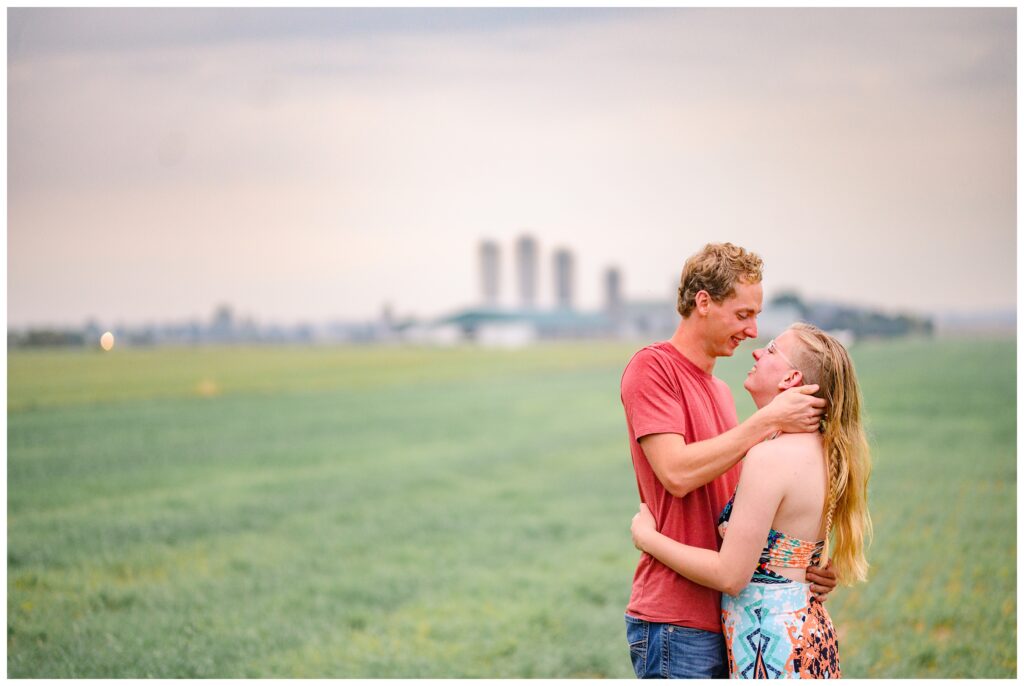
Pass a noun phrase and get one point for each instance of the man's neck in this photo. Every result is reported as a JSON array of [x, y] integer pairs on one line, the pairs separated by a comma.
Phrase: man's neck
[[688, 341]]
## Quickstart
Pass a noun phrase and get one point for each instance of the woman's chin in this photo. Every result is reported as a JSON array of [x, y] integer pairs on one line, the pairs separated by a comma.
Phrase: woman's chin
[[746, 387]]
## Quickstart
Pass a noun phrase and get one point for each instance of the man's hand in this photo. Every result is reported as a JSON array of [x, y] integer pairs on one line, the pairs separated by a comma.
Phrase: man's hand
[[823, 581], [643, 524], [796, 410]]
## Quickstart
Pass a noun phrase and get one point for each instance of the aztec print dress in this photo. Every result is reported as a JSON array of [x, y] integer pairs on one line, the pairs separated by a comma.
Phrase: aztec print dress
[[774, 628]]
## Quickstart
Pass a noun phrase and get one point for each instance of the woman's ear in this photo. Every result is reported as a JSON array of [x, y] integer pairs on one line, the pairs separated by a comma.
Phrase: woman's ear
[[792, 379]]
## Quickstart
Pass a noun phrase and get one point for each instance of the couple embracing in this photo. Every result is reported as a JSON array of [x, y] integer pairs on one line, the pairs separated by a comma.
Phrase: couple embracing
[[745, 527]]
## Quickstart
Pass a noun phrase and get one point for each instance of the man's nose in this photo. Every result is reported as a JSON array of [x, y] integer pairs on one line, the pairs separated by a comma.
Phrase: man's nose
[[751, 330]]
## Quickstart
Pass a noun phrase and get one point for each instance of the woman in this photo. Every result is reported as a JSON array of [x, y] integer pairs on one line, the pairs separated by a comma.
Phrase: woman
[[811, 486]]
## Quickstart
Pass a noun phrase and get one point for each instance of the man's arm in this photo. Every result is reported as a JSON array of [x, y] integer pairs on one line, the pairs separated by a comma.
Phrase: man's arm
[[682, 467]]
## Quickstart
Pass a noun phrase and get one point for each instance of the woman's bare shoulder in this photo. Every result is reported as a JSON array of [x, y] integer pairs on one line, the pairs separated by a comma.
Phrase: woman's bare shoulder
[[788, 448]]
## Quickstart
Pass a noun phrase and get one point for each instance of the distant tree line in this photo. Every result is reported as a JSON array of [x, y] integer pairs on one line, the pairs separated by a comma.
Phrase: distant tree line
[[45, 338], [863, 323], [224, 328]]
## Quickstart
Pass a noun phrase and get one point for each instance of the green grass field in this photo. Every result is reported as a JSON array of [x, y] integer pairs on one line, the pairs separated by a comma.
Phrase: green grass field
[[339, 512]]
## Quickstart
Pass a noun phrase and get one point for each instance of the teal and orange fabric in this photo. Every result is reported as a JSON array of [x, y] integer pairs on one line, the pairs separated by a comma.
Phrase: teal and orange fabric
[[775, 628]]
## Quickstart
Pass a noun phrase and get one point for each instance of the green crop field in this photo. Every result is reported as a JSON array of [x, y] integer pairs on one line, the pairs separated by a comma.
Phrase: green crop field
[[391, 512]]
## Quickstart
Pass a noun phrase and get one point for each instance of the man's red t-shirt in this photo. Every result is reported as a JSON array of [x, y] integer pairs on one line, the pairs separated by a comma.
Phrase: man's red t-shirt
[[663, 392]]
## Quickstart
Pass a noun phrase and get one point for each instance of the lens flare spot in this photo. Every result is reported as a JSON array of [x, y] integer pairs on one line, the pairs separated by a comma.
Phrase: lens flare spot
[[207, 388]]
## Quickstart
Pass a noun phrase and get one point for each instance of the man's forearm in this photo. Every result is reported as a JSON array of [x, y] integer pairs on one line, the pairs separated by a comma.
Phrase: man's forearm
[[687, 466]]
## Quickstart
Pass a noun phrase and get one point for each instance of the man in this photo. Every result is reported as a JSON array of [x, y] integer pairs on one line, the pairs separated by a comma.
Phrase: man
[[686, 445]]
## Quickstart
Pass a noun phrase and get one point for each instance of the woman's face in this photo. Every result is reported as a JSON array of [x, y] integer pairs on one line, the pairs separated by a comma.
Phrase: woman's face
[[773, 372]]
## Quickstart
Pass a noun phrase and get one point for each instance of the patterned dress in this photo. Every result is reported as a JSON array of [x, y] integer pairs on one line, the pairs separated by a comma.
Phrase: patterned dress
[[774, 628]]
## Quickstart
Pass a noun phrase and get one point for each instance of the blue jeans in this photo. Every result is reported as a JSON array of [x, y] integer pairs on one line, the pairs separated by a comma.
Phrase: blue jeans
[[667, 651]]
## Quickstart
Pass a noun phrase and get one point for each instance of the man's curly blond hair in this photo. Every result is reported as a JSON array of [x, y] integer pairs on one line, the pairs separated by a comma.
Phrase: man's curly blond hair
[[716, 269]]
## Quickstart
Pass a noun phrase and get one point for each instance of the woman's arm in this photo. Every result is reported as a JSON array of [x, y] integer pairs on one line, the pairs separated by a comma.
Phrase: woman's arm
[[758, 497]]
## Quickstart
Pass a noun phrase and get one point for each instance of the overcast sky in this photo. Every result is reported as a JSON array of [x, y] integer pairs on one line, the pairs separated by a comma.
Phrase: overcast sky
[[316, 164]]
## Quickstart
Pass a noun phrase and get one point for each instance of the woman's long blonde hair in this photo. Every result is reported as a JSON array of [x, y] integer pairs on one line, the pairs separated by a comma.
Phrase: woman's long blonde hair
[[824, 361]]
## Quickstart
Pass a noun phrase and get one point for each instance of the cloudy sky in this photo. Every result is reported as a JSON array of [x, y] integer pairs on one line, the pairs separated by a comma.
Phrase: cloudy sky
[[316, 164]]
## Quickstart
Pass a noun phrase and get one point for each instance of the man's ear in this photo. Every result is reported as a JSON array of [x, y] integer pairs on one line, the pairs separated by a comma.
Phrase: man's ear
[[702, 302], [791, 380]]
